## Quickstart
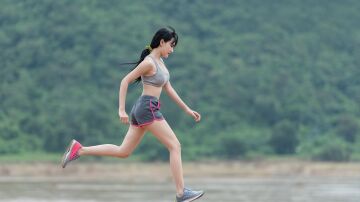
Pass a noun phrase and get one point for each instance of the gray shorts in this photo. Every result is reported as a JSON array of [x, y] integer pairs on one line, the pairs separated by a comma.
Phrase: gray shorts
[[145, 110]]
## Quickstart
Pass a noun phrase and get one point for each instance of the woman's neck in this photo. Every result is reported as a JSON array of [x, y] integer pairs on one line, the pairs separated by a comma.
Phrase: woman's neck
[[155, 54]]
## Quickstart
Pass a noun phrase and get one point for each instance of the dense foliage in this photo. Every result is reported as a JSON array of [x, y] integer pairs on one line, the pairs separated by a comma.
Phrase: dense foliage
[[269, 77]]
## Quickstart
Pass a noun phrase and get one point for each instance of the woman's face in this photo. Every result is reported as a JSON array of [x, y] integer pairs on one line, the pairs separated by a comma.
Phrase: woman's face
[[167, 48]]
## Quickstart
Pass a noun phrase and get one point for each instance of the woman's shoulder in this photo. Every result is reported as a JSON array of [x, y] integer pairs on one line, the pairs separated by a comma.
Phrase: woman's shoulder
[[146, 65]]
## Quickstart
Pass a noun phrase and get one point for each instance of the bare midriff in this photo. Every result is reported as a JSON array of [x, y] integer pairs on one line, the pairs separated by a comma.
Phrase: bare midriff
[[151, 90]]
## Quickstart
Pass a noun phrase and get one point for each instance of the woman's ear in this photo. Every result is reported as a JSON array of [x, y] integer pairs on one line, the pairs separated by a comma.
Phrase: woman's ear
[[162, 42]]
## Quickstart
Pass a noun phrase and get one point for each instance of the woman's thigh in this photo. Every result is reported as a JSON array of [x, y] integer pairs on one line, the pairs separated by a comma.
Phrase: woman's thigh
[[163, 132], [133, 137]]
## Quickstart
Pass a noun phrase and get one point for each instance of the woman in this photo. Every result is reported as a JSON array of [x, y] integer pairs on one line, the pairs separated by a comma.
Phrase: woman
[[145, 114]]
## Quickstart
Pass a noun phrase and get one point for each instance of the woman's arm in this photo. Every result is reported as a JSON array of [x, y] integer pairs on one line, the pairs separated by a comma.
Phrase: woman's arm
[[176, 98], [143, 68]]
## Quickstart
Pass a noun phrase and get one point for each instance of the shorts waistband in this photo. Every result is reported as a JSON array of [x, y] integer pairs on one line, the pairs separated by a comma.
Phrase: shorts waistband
[[148, 97]]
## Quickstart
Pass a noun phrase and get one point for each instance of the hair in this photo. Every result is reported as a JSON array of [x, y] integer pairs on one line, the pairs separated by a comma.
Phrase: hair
[[168, 33]]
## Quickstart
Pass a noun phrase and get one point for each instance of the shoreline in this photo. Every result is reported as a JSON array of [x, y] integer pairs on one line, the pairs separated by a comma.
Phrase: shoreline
[[161, 170]]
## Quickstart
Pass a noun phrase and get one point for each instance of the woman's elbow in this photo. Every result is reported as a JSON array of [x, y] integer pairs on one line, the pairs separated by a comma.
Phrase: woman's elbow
[[124, 82]]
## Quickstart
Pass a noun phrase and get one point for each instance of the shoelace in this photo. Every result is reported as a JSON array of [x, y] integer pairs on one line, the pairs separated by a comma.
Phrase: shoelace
[[74, 157], [188, 191]]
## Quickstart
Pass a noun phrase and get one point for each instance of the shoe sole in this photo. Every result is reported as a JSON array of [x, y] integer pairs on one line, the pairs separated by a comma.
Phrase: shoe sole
[[66, 154], [196, 197]]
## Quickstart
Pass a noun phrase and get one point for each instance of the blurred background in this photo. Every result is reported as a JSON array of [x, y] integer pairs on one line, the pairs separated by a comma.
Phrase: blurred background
[[277, 84]]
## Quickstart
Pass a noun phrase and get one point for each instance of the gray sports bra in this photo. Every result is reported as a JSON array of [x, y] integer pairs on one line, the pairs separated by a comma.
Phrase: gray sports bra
[[158, 79]]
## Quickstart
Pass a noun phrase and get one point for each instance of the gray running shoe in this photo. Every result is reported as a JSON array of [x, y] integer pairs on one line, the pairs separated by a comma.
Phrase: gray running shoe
[[189, 195]]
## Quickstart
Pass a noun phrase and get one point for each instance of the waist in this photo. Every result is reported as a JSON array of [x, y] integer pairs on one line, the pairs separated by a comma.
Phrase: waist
[[148, 97], [151, 91]]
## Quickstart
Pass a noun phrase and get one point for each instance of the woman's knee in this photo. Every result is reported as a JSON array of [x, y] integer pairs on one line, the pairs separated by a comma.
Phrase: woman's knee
[[123, 152], [125, 155], [175, 146]]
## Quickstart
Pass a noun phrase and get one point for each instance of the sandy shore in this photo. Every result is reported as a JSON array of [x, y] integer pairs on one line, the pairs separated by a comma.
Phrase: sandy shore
[[161, 171]]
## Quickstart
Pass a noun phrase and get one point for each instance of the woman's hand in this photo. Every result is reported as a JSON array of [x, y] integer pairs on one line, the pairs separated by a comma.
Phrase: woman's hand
[[194, 114], [124, 118]]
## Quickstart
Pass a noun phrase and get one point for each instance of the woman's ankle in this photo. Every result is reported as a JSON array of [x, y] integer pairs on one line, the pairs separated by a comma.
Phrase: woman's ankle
[[180, 193], [81, 151]]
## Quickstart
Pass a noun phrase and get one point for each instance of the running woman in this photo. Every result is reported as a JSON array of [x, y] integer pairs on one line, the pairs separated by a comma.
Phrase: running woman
[[145, 114]]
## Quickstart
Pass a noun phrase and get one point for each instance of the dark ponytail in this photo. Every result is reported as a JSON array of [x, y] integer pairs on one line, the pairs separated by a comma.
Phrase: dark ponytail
[[166, 34]]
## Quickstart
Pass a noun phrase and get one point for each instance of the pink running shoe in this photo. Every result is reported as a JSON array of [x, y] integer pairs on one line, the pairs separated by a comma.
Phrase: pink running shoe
[[72, 153]]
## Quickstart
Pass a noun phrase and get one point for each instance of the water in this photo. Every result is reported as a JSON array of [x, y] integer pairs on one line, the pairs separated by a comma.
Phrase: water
[[218, 189]]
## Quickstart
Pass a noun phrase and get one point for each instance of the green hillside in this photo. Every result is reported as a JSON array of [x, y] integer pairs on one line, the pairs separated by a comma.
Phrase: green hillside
[[269, 77]]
